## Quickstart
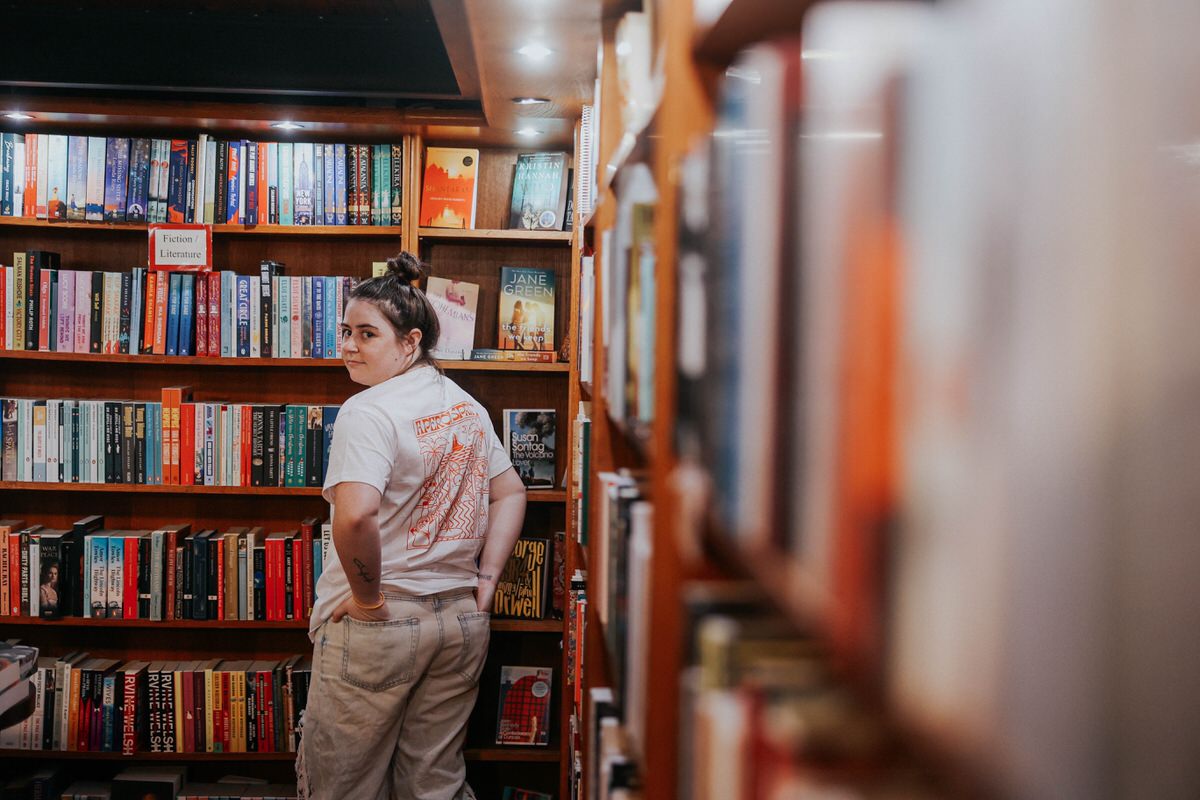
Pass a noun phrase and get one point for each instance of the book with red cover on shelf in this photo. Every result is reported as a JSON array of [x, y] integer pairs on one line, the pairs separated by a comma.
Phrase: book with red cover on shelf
[[448, 192]]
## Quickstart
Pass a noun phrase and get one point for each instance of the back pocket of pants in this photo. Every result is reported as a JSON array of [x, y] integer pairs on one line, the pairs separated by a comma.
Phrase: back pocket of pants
[[477, 632], [379, 655]]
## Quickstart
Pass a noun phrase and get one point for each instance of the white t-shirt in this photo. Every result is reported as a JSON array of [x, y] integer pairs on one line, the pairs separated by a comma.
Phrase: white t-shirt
[[431, 451]]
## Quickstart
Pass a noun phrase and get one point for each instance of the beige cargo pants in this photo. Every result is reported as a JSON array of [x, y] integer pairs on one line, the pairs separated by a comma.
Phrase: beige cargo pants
[[389, 701]]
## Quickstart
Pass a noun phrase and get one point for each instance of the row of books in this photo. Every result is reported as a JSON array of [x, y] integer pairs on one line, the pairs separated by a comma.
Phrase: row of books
[[525, 311], [269, 315], [171, 572], [175, 442], [102, 705], [541, 190], [159, 782], [576, 612], [202, 180]]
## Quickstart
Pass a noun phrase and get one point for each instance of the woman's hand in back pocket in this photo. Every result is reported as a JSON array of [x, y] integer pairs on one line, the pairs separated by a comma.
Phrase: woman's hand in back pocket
[[352, 609]]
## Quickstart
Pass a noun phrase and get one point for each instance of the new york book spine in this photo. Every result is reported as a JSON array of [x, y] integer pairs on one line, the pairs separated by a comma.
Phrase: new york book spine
[[137, 198], [302, 183], [116, 178], [177, 182]]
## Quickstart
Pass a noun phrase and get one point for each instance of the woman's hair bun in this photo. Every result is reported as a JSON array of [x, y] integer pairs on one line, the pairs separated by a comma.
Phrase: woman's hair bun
[[405, 266]]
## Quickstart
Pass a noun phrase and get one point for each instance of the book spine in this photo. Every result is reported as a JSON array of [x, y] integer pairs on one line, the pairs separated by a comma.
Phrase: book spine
[[397, 184]]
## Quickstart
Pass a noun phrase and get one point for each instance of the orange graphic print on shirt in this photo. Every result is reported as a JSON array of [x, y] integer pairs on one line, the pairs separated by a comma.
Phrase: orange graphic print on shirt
[[454, 496]]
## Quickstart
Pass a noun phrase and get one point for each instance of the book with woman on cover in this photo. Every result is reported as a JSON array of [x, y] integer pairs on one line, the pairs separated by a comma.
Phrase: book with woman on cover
[[529, 440], [526, 309]]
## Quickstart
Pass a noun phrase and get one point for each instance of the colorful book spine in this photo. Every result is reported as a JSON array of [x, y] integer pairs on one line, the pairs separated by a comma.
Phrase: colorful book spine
[[116, 182], [97, 151]]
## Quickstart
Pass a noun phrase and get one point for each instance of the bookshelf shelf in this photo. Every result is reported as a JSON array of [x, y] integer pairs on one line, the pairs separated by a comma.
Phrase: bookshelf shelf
[[498, 625], [90, 755], [560, 237], [288, 363], [533, 496], [137, 488], [225, 229], [527, 625], [511, 754]]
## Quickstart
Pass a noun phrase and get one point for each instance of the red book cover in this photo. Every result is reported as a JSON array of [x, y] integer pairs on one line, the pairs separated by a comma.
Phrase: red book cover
[[449, 187], [262, 682], [247, 425], [44, 310], [272, 579], [160, 315], [214, 313], [264, 177], [202, 316], [14, 573], [129, 592], [187, 444], [189, 709], [226, 712], [297, 578], [3, 307], [148, 312], [220, 540], [524, 716], [170, 540], [269, 716]]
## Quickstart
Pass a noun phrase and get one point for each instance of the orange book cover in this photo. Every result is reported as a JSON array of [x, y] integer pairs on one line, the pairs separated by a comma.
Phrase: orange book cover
[[160, 316], [449, 189], [149, 311]]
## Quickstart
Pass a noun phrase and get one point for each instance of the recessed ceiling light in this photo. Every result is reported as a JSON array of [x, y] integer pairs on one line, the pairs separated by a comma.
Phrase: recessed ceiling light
[[287, 126], [17, 115], [530, 101], [535, 51], [528, 132]]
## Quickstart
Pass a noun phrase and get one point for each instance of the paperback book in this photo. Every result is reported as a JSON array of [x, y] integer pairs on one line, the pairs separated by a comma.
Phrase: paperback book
[[539, 192], [455, 303], [522, 591], [529, 440], [524, 709], [448, 191], [526, 309]]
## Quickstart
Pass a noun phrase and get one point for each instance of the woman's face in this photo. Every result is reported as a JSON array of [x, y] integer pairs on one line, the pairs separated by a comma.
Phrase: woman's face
[[371, 350], [52, 574]]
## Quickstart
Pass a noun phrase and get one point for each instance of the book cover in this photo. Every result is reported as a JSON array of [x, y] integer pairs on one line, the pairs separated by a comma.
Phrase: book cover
[[56, 178], [455, 303], [77, 177], [233, 172], [177, 174], [449, 188], [524, 707], [526, 318], [97, 149], [529, 441], [302, 177], [116, 181], [523, 587], [539, 192]]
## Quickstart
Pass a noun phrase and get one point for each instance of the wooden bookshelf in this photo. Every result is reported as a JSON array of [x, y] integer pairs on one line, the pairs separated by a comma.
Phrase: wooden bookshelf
[[532, 496], [499, 625], [285, 363], [744, 22], [515, 755], [556, 237], [223, 229]]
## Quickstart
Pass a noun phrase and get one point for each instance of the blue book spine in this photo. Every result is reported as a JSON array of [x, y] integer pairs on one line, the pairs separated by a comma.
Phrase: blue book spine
[[137, 199], [328, 417], [95, 577], [109, 694], [339, 165], [233, 209], [317, 561], [318, 317], [115, 577], [329, 217], [243, 316], [331, 316], [187, 303], [318, 166], [116, 186], [173, 299]]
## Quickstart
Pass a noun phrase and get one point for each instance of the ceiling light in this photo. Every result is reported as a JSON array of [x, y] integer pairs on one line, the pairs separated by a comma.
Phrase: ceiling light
[[528, 132], [287, 126], [17, 115], [530, 101], [536, 52]]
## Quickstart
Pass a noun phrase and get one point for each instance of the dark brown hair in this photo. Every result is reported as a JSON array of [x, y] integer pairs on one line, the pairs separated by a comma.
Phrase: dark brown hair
[[403, 304]]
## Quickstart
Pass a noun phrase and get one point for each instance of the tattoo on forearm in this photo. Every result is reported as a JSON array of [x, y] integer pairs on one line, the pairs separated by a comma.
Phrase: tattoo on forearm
[[362, 571], [486, 576]]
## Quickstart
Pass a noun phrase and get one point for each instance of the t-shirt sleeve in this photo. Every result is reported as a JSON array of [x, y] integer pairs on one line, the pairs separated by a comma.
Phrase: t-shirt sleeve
[[363, 450], [498, 460]]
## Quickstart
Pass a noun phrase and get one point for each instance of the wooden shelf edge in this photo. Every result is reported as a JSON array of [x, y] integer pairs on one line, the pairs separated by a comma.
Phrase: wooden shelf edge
[[289, 363], [560, 237], [92, 755], [502, 625], [138, 488], [744, 22], [515, 753], [546, 496], [223, 229]]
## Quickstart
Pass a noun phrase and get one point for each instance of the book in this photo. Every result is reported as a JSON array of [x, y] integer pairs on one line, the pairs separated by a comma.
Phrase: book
[[526, 318], [539, 192], [535, 356], [529, 441], [524, 706], [448, 191], [455, 303], [523, 588]]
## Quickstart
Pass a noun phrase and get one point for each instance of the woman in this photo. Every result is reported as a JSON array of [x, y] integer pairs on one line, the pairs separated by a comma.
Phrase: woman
[[426, 509]]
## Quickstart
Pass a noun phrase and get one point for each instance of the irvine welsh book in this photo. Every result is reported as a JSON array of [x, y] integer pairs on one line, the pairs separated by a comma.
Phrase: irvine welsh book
[[526, 318], [529, 435], [455, 303]]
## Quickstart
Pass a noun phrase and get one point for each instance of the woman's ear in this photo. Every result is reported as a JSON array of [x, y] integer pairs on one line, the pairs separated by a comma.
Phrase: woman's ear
[[414, 338]]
